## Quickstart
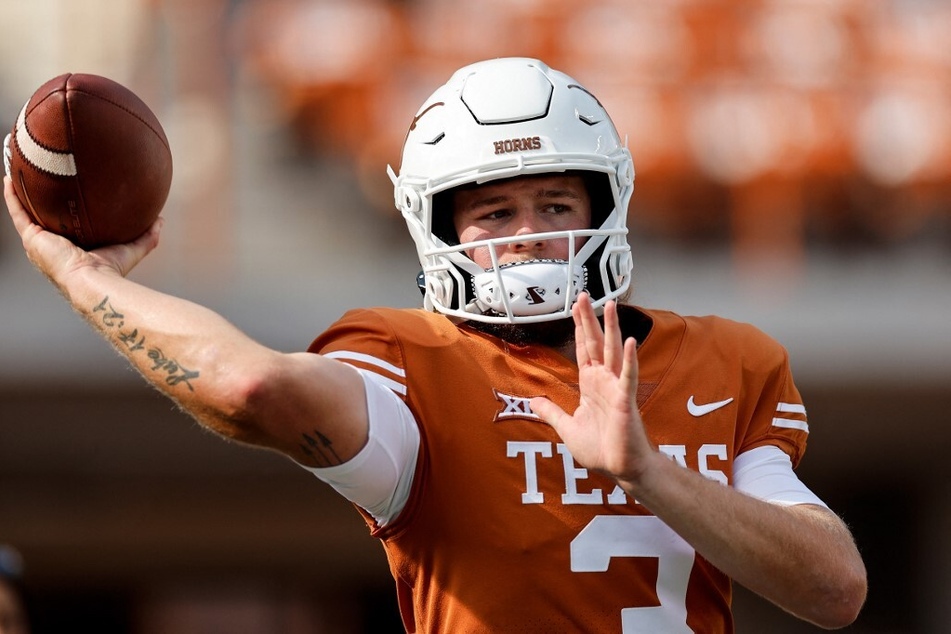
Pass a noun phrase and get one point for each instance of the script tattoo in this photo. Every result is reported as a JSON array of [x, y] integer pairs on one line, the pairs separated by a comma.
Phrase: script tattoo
[[135, 343], [320, 450], [111, 318]]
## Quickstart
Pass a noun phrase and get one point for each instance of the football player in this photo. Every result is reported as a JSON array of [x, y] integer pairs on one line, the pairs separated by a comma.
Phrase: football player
[[534, 453]]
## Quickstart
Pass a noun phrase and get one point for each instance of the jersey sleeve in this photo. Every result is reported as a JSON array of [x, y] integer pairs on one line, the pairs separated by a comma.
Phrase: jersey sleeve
[[379, 478], [779, 414], [364, 340]]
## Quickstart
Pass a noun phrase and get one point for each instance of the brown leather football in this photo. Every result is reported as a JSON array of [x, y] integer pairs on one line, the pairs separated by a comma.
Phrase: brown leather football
[[90, 161]]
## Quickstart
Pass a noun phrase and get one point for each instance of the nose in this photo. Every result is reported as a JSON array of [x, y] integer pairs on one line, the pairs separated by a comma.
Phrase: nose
[[526, 243]]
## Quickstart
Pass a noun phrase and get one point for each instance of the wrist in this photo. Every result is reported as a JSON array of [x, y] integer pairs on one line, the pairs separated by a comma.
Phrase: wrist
[[647, 476]]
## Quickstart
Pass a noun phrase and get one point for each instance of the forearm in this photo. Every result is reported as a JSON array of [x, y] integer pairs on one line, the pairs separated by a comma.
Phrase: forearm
[[301, 405], [183, 349], [801, 558]]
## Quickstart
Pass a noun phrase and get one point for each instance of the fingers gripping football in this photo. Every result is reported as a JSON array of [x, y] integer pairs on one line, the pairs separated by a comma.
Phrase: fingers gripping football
[[89, 160]]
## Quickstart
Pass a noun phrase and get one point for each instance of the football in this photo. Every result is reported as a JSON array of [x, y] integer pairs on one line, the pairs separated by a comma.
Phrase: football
[[89, 160]]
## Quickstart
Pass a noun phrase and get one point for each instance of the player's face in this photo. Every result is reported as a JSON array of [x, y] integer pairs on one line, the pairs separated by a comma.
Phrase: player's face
[[521, 206]]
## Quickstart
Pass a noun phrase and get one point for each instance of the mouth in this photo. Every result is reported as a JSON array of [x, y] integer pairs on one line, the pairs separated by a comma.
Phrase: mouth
[[516, 263]]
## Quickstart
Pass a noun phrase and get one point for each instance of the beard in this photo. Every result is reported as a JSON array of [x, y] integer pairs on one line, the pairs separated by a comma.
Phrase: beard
[[553, 334]]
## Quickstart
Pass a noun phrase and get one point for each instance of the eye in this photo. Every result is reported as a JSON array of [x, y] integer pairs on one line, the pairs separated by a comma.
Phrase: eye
[[496, 214]]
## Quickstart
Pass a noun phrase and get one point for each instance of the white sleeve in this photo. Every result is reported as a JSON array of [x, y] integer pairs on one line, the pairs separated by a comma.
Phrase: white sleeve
[[380, 476], [767, 473]]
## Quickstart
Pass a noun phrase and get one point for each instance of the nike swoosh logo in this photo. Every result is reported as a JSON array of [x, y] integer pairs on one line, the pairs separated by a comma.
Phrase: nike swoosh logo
[[706, 408]]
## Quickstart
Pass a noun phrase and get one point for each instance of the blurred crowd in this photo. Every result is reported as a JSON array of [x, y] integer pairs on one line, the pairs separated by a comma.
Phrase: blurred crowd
[[762, 122]]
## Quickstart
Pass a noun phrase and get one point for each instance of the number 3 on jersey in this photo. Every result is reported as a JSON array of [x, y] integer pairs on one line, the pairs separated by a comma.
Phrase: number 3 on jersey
[[608, 536]]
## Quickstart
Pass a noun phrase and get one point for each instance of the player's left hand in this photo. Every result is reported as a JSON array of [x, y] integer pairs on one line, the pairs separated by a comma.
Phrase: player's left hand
[[606, 432]]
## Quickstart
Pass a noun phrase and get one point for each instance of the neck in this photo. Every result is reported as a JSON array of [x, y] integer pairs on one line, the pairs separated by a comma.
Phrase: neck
[[557, 335], [568, 350]]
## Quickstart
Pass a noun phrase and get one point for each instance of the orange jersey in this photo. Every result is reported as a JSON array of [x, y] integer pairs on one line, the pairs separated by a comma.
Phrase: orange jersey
[[503, 531]]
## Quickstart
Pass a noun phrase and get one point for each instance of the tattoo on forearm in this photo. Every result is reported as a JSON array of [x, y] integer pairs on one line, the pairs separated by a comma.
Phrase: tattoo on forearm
[[111, 318], [134, 343], [320, 450]]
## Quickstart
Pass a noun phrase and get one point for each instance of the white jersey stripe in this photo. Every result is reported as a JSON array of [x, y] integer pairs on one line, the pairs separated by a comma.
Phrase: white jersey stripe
[[791, 408], [788, 423], [369, 360]]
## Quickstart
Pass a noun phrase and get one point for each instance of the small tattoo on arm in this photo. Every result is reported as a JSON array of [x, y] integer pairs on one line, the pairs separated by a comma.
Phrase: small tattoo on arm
[[319, 448], [135, 343]]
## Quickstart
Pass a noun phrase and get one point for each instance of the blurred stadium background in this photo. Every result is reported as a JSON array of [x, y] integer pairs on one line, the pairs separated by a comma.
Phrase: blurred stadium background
[[793, 170]]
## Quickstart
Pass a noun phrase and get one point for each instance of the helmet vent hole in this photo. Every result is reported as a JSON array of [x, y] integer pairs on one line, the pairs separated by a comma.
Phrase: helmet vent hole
[[439, 137]]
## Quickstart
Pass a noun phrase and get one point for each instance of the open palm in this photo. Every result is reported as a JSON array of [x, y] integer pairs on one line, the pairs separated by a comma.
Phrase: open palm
[[605, 432]]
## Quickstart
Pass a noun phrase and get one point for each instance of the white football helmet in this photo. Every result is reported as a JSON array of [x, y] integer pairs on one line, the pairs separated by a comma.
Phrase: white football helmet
[[499, 119]]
